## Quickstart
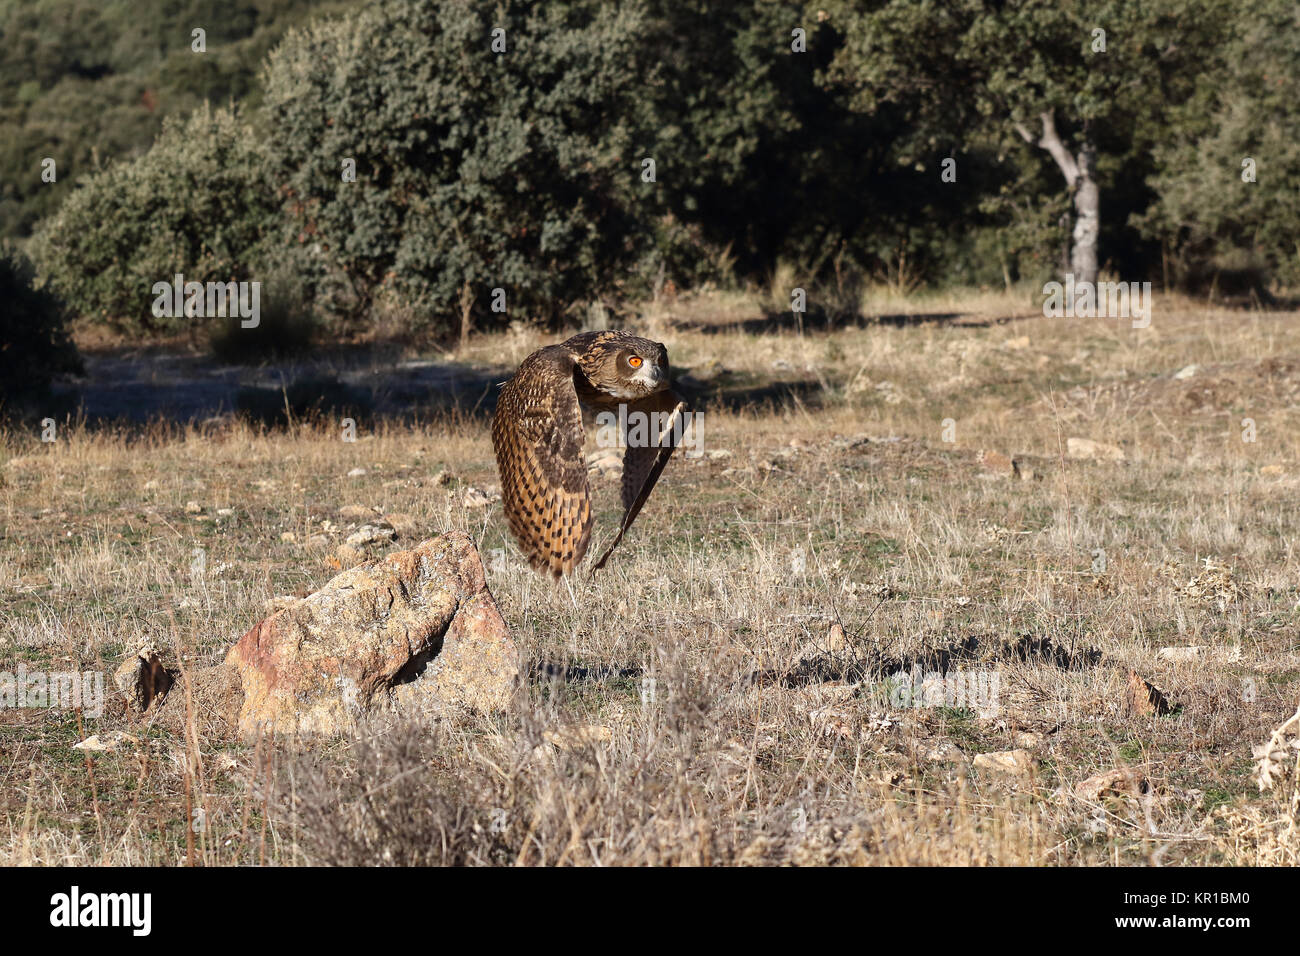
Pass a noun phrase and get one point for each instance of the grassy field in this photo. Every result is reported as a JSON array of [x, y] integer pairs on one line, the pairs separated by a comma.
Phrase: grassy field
[[721, 693]]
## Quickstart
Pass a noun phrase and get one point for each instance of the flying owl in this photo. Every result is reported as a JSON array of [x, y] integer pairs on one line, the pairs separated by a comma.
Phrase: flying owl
[[538, 438]]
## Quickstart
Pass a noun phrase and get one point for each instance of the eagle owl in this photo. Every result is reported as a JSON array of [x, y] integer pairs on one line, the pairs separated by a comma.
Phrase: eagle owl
[[537, 434]]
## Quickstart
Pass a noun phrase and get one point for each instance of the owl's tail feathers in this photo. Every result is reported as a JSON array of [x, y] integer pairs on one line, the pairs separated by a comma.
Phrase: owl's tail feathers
[[650, 462]]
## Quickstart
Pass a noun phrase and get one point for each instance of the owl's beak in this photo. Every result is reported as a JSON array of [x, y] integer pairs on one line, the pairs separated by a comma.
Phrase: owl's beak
[[650, 378]]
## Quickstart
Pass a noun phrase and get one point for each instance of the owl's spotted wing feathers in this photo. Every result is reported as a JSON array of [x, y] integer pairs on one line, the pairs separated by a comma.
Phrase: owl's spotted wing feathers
[[537, 435]]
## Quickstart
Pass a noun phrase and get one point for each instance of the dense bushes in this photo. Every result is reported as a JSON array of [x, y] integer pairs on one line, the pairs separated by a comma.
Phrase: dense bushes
[[89, 82], [474, 169], [1216, 220], [514, 161], [197, 203], [34, 343]]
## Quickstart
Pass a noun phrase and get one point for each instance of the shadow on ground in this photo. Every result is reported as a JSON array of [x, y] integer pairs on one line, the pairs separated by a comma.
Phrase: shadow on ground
[[138, 386], [818, 321], [141, 386], [872, 665]]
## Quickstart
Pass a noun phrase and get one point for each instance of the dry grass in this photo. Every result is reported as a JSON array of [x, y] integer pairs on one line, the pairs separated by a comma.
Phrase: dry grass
[[670, 718]]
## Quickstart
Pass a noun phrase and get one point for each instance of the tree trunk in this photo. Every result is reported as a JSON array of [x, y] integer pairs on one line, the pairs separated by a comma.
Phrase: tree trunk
[[1081, 176], [1087, 216]]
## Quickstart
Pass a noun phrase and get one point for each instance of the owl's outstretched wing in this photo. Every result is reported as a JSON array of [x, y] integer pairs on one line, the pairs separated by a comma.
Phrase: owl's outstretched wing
[[644, 462], [538, 437]]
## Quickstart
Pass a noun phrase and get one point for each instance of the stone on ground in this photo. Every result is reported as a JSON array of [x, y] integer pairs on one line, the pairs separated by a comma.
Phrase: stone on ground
[[414, 631]]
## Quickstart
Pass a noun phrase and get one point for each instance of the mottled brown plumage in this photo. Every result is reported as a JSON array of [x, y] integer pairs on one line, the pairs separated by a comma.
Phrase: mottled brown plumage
[[538, 438]]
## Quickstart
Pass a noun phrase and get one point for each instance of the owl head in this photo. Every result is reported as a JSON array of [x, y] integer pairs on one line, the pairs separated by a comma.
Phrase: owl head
[[626, 367]]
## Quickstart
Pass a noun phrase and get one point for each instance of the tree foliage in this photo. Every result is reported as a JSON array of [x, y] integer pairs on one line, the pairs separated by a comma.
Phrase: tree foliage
[[197, 203], [475, 169], [1103, 76], [34, 342], [787, 137], [89, 82], [1227, 180]]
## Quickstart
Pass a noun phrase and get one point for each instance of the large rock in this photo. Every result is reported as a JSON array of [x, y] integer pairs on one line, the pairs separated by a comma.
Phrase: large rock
[[414, 631]]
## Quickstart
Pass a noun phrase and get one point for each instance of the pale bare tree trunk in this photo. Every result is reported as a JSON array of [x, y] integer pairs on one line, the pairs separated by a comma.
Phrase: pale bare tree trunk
[[1081, 176], [1087, 216]]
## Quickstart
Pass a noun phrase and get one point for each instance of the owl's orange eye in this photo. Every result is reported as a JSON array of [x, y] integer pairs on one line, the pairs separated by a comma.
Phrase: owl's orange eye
[[634, 361]]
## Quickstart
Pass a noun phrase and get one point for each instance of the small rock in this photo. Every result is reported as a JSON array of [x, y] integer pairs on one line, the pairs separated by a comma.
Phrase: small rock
[[357, 473], [1124, 782], [1019, 342], [107, 742], [356, 513], [1028, 740], [1187, 371], [225, 512], [142, 679], [1180, 655], [719, 453], [944, 752], [1143, 699], [474, 498], [1018, 762], [1087, 449], [370, 534]]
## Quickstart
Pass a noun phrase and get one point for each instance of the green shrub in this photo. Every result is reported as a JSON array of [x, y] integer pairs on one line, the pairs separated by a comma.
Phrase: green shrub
[[34, 343], [514, 170], [1223, 232], [82, 80], [197, 203]]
